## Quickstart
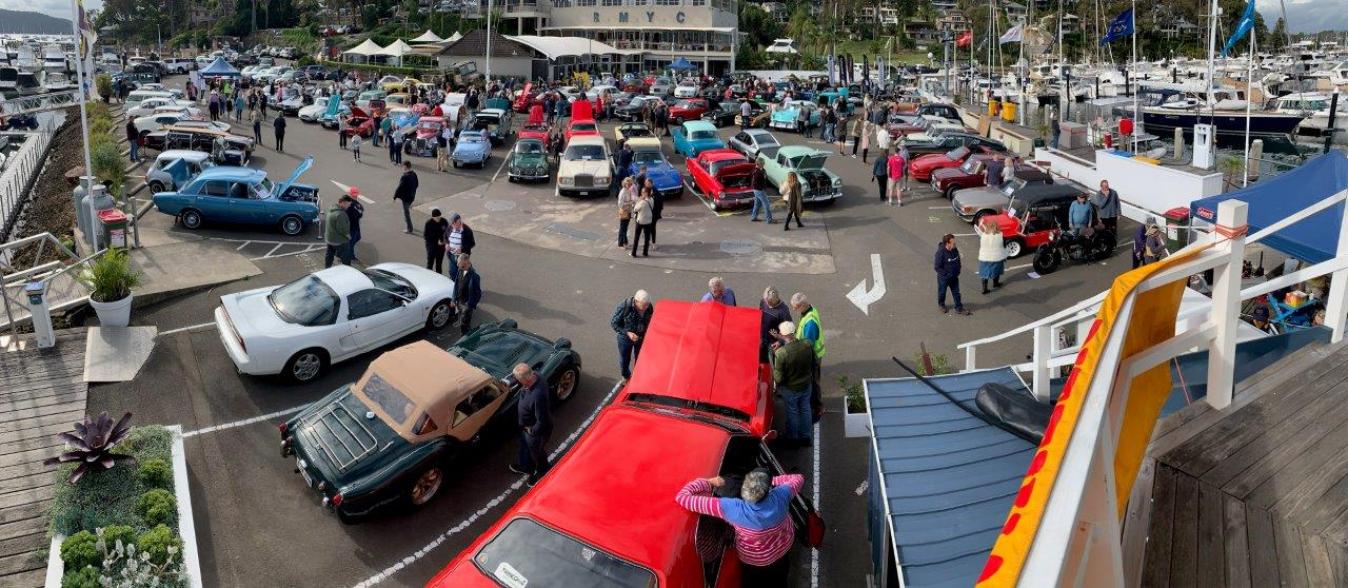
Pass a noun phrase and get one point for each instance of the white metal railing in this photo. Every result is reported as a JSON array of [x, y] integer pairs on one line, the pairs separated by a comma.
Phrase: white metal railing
[[20, 173], [63, 291], [1077, 542], [1050, 333]]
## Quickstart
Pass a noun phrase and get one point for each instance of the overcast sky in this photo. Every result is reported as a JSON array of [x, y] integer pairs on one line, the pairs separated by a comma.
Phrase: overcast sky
[[1302, 15]]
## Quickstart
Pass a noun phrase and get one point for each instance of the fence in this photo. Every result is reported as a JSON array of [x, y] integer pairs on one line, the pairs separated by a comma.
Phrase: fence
[[20, 174], [63, 290]]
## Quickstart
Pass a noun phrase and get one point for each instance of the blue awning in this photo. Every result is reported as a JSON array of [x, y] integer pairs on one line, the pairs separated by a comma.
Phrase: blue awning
[[681, 64], [1315, 239], [948, 478]]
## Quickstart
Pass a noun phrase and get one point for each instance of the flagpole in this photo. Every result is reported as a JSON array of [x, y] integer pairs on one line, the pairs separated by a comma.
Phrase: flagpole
[[1249, 99], [75, 20], [1137, 116]]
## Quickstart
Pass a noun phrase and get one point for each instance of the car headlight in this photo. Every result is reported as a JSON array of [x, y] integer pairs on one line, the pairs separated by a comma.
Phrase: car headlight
[[601, 181], [837, 182], [566, 181], [967, 209]]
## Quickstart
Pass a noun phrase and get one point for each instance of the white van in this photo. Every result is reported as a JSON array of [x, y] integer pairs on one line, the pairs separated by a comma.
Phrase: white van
[[137, 96]]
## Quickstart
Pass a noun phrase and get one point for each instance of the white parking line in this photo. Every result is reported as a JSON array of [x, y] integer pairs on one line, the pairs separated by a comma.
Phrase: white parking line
[[504, 161], [278, 246], [814, 553], [242, 245], [246, 422], [493, 503], [196, 327]]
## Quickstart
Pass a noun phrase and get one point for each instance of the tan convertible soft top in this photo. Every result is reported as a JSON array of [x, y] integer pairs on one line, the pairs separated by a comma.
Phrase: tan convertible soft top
[[432, 379]]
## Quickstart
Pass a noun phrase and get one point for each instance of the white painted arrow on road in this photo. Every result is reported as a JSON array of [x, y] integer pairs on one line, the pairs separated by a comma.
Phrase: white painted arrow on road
[[864, 298]]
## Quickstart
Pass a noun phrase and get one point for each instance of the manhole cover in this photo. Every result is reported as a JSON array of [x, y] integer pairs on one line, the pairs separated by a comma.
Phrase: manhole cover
[[499, 205], [741, 247]]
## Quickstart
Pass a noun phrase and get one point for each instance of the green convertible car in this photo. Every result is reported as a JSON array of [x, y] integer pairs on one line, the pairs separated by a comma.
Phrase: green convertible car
[[528, 162], [392, 437]]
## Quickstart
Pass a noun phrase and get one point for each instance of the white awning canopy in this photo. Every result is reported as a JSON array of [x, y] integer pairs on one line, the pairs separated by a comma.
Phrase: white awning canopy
[[427, 37], [367, 49], [454, 38], [554, 47], [395, 49]]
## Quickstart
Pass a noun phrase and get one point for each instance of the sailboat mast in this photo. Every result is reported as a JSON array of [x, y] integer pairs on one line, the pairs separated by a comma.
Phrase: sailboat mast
[[1249, 99], [1212, 46], [1127, 83]]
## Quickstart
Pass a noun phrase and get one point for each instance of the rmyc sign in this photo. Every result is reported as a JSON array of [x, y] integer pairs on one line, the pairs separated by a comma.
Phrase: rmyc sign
[[624, 18]]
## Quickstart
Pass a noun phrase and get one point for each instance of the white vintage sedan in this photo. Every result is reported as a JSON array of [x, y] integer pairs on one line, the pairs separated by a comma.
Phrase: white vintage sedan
[[299, 329]]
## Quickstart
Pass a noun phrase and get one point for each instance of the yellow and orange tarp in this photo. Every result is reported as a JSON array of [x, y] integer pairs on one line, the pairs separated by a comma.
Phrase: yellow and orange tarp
[[1152, 321]]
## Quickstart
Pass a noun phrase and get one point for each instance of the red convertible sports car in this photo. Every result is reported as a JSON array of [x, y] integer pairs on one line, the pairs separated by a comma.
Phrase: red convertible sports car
[[605, 515], [923, 166], [525, 99], [723, 176], [537, 126], [582, 120], [359, 123]]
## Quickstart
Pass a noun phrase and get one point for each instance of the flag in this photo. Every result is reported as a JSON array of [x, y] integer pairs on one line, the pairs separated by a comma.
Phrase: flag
[[88, 36], [1242, 28], [1120, 27], [965, 39], [1014, 35]]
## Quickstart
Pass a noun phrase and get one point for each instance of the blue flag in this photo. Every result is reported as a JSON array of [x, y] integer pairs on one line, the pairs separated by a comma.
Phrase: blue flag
[[1120, 27], [1242, 28]]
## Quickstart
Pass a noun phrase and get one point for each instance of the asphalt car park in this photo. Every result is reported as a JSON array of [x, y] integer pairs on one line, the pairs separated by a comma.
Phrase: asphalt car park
[[261, 526]]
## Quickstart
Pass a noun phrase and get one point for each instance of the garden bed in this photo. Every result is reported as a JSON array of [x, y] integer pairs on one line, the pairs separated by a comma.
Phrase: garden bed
[[145, 506]]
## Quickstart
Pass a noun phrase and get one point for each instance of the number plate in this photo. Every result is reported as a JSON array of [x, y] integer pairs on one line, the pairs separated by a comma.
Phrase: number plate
[[299, 464]]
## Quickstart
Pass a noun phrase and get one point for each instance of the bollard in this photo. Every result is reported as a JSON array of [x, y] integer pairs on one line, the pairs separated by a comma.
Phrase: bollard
[[1179, 144], [37, 306]]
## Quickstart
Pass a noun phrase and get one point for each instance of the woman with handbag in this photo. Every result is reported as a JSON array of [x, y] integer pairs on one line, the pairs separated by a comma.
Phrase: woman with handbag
[[991, 253], [627, 198], [791, 194], [645, 221]]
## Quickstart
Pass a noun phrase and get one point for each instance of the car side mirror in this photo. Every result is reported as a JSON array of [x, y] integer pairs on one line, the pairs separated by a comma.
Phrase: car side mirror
[[562, 343]]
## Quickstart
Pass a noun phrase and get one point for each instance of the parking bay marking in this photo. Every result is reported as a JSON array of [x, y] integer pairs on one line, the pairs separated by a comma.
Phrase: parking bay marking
[[246, 422], [493, 503]]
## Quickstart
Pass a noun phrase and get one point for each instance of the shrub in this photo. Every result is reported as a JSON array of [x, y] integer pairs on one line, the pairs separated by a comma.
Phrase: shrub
[[161, 543], [108, 163], [155, 473], [103, 499], [103, 83], [158, 507], [80, 550], [85, 577], [111, 535]]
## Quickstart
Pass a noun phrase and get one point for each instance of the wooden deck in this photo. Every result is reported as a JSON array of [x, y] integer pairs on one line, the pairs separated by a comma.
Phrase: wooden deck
[[1257, 494], [41, 394]]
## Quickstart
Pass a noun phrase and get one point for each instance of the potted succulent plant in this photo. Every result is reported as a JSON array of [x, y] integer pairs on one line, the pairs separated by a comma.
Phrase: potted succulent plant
[[110, 279], [856, 417]]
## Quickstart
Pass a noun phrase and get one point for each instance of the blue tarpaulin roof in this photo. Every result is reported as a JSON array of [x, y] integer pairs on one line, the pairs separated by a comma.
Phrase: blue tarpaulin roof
[[1315, 239], [948, 477], [219, 68], [681, 63]]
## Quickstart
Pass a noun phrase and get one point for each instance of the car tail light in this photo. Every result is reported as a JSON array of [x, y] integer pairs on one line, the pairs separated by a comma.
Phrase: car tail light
[[284, 427], [337, 499]]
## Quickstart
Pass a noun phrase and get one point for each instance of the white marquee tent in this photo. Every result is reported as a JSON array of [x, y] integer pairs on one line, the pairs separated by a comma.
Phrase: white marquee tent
[[427, 37], [395, 49], [365, 49]]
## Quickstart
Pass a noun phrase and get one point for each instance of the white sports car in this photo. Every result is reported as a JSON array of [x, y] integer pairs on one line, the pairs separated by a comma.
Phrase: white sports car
[[148, 106], [301, 328], [315, 111]]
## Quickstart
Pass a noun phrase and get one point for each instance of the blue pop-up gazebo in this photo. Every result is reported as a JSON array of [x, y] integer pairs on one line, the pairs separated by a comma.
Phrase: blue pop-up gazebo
[[1314, 239], [219, 69], [681, 64]]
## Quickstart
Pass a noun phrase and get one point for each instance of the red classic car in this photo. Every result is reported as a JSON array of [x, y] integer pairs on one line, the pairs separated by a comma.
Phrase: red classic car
[[359, 123], [972, 174], [688, 109], [424, 138], [582, 120], [525, 99], [604, 515], [922, 167], [537, 126], [723, 176]]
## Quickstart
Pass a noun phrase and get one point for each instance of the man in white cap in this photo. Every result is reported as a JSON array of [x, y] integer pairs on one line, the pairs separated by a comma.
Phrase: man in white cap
[[793, 372]]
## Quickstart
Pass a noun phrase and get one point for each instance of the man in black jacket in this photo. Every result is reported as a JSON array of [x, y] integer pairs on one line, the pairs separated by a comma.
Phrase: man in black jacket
[[947, 266], [407, 193], [467, 291], [629, 322], [534, 416], [279, 127], [133, 139], [434, 235]]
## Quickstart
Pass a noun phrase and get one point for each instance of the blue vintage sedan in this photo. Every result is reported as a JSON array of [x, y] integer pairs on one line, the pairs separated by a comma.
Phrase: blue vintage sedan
[[646, 151], [787, 117], [240, 195], [474, 148], [696, 136]]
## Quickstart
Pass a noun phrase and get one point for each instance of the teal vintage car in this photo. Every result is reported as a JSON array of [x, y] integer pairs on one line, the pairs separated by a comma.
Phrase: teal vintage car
[[696, 136], [528, 161], [817, 184], [393, 436]]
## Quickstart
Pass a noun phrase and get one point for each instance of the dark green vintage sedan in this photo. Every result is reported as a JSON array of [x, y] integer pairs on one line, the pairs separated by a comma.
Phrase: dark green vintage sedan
[[528, 162], [393, 436]]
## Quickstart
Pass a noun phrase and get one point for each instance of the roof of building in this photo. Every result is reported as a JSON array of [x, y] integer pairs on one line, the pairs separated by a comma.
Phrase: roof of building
[[947, 478], [474, 44]]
